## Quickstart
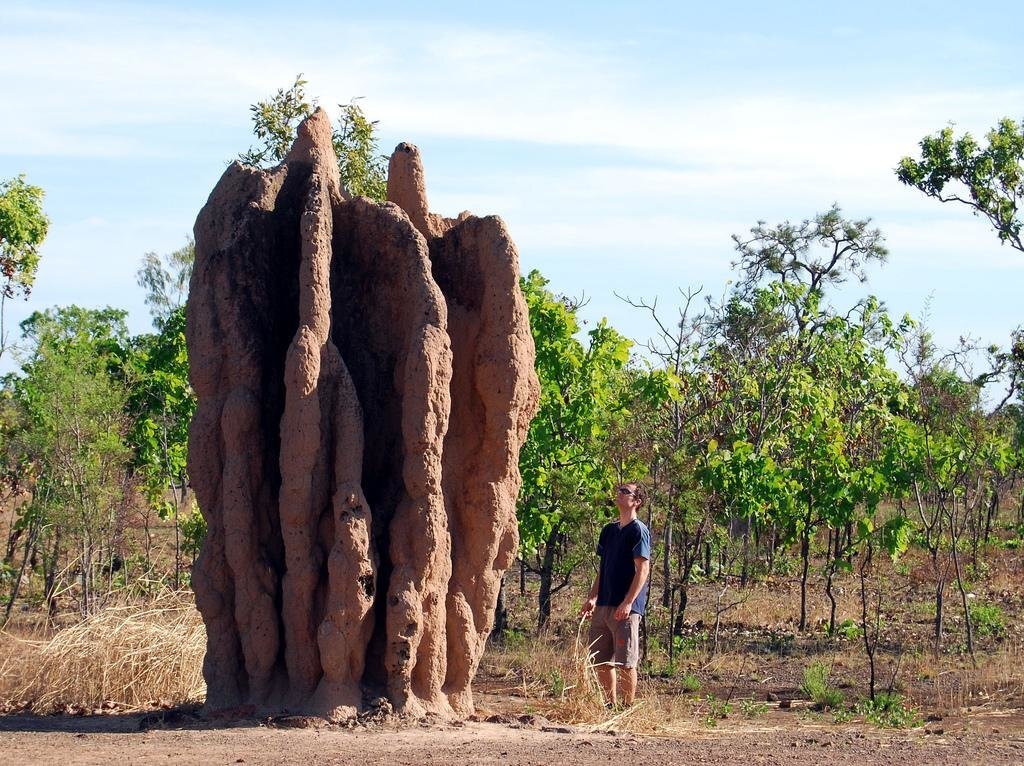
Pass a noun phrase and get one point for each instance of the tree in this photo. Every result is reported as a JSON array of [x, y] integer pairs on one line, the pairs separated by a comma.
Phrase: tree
[[565, 477], [161, 402], [363, 169], [165, 279], [23, 227], [71, 398], [989, 178], [674, 420], [956, 455], [801, 385]]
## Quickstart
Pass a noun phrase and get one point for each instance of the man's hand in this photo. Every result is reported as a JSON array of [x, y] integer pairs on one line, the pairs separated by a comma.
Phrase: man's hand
[[588, 607], [622, 610]]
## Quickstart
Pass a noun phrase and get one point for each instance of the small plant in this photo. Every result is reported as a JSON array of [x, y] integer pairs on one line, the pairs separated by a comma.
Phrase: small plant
[[842, 715], [753, 708], [689, 645], [849, 629], [688, 682], [556, 683], [717, 710], [514, 638], [988, 620], [780, 642], [817, 688], [889, 711]]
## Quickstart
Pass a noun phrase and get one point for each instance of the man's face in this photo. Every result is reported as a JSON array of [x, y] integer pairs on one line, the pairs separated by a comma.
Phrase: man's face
[[625, 499]]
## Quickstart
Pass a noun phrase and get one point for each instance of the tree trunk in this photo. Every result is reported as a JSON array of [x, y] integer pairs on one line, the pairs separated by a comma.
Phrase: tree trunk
[[547, 571], [500, 615], [16, 585], [666, 562], [805, 554]]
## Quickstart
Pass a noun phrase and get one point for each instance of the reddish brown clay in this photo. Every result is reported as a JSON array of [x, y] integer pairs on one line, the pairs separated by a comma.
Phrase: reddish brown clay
[[365, 381]]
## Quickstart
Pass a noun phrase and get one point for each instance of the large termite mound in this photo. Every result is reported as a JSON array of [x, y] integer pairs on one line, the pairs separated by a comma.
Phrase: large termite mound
[[365, 380]]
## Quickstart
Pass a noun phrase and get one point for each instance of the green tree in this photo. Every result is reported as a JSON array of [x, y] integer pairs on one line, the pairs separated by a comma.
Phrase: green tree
[[800, 384], [362, 167], [565, 475], [988, 178], [161, 403], [165, 279], [957, 455], [70, 396], [23, 227]]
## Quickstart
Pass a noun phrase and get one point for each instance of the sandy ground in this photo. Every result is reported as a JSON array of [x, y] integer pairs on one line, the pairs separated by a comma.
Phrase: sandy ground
[[64, 741]]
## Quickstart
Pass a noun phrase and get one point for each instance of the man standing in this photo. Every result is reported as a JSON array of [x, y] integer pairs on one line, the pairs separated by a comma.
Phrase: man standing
[[619, 595]]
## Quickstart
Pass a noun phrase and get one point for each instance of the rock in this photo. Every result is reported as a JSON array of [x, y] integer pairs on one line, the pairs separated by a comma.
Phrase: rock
[[364, 375]]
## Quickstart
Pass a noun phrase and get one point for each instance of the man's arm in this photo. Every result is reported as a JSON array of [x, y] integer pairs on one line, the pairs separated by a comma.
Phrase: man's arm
[[642, 567], [588, 606]]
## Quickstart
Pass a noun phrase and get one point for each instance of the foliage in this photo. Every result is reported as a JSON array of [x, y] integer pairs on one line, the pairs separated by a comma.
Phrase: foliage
[[817, 688], [193, 530], [275, 122], [70, 436], [23, 227], [988, 178], [688, 682], [362, 166], [165, 279], [889, 710], [162, 403], [564, 476], [849, 630], [988, 619], [753, 709], [716, 711]]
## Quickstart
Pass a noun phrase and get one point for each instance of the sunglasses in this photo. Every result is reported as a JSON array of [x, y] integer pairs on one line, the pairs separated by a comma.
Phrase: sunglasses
[[625, 491]]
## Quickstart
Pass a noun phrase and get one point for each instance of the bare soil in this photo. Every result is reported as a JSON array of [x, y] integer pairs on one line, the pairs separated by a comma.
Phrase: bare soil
[[136, 739]]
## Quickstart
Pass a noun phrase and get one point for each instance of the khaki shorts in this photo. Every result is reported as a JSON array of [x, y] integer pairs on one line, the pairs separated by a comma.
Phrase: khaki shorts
[[614, 641]]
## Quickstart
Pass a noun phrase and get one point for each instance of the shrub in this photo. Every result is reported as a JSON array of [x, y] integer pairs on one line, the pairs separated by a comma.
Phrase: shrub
[[988, 619], [688, 682], [817, 688], [890, 711], [849, 630], [716, 710]]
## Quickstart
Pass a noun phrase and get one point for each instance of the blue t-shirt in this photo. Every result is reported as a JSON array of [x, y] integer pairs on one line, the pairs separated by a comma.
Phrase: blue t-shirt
[[617, 548]]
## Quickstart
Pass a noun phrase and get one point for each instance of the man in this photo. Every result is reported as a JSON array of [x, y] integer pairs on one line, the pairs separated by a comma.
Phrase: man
[[619, 596]]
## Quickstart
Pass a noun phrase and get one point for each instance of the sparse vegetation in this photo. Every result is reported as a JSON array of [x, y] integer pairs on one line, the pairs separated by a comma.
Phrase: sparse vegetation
[[890, 711], [817, 688]]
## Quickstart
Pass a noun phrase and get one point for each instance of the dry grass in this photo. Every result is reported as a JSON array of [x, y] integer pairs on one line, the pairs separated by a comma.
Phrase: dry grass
[[562, 686], [954, 685], [127, 656]]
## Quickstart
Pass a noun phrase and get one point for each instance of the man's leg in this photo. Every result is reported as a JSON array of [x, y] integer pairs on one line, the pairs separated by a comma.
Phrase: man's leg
[[602, 648], [606, 676], [627, 683], [627, 656]]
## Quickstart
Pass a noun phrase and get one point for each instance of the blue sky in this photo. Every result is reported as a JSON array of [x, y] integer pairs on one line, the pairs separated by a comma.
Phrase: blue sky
[[622, 142]]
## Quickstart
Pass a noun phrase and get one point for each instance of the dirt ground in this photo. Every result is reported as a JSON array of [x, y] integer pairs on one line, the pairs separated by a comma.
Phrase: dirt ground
[[65, 740]]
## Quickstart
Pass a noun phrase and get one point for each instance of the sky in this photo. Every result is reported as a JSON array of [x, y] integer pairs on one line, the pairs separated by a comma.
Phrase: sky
[[623, 143]]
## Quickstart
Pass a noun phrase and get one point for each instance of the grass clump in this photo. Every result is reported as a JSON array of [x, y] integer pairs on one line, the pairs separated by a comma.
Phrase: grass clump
[[818, 689], [131, 655]]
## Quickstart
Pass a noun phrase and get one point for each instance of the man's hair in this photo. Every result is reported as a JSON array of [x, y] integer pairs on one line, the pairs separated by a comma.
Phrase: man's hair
[[639, 492]]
